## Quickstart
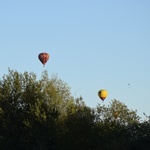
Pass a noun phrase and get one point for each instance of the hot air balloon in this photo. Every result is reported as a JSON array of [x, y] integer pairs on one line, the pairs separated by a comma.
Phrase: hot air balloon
[[102, 94], [115, 114], [43, 57]]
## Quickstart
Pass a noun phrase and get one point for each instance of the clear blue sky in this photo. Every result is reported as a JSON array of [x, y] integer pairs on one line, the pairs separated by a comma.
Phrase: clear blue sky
[[93, 45]]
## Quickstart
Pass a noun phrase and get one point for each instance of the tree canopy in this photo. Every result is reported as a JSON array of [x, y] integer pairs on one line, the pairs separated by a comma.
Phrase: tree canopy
[[43, 115]]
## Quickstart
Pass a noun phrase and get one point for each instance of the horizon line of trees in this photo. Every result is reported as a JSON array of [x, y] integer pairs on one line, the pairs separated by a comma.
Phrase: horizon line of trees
[[43, 115]]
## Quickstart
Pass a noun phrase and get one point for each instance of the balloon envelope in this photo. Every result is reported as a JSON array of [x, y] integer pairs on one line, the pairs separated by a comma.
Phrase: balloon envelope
[[116, 113], [43, 57], [102, 94]]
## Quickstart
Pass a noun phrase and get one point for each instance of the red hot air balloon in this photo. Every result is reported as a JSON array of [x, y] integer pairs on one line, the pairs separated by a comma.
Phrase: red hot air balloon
[[43, 57]]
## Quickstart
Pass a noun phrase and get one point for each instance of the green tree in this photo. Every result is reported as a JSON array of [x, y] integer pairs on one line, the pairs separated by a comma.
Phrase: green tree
[[79, 125], [113, 126], [140, 134], [117, 111], [43, 115], [30, 110]]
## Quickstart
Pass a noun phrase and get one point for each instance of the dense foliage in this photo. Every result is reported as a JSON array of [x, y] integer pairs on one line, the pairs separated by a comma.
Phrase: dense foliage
[[43, 115]]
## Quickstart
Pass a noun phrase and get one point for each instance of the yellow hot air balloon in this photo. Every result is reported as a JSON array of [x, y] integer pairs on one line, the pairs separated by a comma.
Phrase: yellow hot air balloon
[[102, 94]]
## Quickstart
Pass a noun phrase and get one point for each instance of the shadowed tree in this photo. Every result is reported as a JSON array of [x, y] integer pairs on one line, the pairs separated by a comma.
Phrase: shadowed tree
[[113, 121], [43, 115], [30, 110], [79, 125]]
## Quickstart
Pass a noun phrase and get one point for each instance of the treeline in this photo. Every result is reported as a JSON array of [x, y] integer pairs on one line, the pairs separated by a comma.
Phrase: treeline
[[43, 115]]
